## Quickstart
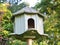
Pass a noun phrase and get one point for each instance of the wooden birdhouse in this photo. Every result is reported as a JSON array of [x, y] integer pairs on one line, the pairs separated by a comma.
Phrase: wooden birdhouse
[[28, 18]]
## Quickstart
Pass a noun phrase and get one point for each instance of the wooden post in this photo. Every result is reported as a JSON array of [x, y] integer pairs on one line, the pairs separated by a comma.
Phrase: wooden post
[[29, 41]]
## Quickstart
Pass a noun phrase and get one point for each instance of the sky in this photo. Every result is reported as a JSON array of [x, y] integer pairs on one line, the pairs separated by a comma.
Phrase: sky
[[31, 2]]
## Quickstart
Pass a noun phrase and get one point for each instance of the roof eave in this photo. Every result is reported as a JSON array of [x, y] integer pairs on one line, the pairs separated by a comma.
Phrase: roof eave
[[15, 14]]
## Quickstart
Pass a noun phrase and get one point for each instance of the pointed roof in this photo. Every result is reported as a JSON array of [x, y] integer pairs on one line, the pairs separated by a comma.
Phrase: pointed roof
[[28, 10]]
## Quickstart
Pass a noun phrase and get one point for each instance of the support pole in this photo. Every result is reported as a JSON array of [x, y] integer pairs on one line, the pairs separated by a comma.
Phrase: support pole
[[29, 41]]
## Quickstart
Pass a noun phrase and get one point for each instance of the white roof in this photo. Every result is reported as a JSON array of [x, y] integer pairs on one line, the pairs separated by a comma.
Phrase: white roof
[[27, 10]]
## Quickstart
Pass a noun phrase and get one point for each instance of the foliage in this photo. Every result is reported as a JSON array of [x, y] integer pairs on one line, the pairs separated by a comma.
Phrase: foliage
[[16, 42], [1, 1], [12, 2], [5, 22], [51, 9], [16, 7], [4, 33]]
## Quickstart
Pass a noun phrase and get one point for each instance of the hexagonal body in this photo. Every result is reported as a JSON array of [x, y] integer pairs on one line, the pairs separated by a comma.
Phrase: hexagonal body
[[25, 20]]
